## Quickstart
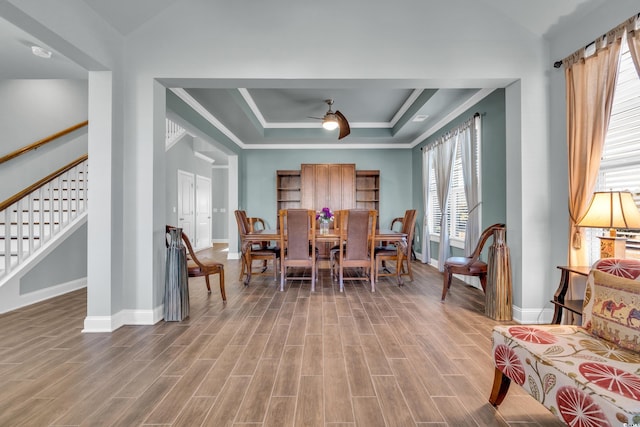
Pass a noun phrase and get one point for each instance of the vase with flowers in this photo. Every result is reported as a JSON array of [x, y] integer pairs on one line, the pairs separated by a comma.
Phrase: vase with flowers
[[324, 217]]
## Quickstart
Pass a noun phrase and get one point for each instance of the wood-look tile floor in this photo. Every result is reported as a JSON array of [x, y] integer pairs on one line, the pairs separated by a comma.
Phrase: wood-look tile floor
[[396, 357]]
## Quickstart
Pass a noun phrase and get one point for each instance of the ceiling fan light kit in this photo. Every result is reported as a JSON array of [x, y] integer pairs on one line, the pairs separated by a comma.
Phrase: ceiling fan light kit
[[333, 120], [330, 122]]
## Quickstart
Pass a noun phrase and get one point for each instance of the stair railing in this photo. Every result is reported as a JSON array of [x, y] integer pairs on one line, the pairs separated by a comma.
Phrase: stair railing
[[173, 133], [36, 214], [42, 142]]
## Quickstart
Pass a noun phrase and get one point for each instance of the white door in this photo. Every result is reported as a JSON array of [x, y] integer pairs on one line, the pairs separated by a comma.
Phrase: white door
[[186, 203], [203, 212]]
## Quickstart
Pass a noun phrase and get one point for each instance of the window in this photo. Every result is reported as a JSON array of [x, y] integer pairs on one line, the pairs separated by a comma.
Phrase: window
[[457, 209], [621, 152]]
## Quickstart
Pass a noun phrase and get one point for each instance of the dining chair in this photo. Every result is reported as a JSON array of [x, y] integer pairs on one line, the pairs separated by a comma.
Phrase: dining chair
[[397, 253], [252, 252], [201, 263], [256, 224], [396, 225], [297, 243], [469, 266], [335, 249], [357, 230]]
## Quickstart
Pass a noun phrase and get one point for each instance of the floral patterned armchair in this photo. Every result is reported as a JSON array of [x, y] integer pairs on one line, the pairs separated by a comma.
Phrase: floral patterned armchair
[[586, 375]]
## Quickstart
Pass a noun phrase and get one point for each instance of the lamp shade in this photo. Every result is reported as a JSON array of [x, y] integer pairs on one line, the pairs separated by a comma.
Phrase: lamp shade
[[330, 122], [612, 209]]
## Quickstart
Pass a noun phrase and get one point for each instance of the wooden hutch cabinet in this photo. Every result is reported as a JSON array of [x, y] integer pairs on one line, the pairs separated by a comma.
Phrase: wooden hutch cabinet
[[328, 185], [336, 186]]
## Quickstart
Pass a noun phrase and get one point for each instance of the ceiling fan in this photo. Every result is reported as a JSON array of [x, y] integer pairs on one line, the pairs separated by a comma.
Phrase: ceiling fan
[[334, 119]]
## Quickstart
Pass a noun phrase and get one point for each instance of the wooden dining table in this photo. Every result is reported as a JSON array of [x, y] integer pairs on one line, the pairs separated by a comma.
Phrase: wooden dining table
[[382, 235]]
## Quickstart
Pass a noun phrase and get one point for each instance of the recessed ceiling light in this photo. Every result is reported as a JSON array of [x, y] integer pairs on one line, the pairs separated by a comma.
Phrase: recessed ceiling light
[[41, 52], [420, 118]]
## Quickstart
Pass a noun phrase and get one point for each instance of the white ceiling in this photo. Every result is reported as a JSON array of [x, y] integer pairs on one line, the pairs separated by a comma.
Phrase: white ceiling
[[378, 114]]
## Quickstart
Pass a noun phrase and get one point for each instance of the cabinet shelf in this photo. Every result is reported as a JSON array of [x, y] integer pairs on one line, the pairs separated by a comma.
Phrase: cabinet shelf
[[368, 189], [288, 189]]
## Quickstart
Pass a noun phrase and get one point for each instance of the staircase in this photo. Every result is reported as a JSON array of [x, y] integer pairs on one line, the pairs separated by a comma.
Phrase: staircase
[[173, 133], [33, 217]]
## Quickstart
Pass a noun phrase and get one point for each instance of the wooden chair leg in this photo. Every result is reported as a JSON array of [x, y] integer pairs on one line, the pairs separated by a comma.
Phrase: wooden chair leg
[[206, 280], [275, 265], [483, 282], [224, 295], [371, 278], [243, 265], [500, 387], [446, 283], [408, 260]]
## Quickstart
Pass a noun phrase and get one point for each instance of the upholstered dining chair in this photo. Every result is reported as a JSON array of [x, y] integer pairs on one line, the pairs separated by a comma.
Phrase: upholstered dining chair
[[357, 231], [260, 252], [297, 243], [469, 266], [201, 263], [394, 253]]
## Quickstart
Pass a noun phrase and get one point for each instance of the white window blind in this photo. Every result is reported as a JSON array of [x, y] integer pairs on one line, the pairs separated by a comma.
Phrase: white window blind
[[620, 165]]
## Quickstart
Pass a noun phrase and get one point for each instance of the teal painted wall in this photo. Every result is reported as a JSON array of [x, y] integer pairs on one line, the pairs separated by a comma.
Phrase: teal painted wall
[[258, 191], [493, 163]]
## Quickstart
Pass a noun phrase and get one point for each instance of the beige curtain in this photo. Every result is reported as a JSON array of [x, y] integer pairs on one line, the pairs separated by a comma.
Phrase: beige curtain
[[633, 39], [590, 86]]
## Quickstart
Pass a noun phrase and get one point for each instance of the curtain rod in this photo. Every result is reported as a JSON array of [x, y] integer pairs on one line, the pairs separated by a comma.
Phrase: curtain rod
[[476, 114], [558, 64]]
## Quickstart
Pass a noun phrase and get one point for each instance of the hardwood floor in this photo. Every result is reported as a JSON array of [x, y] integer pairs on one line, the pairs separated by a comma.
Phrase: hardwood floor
[[396, 357]]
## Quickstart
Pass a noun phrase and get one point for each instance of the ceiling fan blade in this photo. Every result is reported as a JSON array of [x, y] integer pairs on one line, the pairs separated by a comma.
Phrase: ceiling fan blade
[[344, 125]]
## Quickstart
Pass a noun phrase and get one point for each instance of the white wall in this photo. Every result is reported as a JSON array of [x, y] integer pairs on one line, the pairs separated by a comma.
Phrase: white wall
[[30, 110], [74, 30]]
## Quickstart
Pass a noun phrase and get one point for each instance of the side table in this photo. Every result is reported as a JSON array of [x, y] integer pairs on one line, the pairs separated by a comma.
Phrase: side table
[[573, 305]]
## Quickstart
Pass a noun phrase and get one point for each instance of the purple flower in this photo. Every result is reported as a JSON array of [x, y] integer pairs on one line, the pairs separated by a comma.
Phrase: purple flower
[[325, 215]]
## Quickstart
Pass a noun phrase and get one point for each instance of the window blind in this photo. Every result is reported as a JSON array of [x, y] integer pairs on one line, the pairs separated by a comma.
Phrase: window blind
[[620, 164]]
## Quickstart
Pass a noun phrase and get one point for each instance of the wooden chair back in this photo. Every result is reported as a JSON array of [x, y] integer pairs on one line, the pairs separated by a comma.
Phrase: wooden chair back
[[297, 242], [469, 266], [201, 263], [357, 231]]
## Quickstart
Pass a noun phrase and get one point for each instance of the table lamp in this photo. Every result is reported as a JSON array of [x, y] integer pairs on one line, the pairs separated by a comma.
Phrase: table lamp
[[613, 210]]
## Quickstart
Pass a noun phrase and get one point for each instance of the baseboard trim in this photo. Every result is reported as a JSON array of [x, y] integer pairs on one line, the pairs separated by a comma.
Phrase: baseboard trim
[[94, 324], [22, 300], [532, 316]]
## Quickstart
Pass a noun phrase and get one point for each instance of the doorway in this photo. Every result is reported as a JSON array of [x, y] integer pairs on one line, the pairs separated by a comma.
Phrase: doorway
[[186, 203], [203, 212]]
